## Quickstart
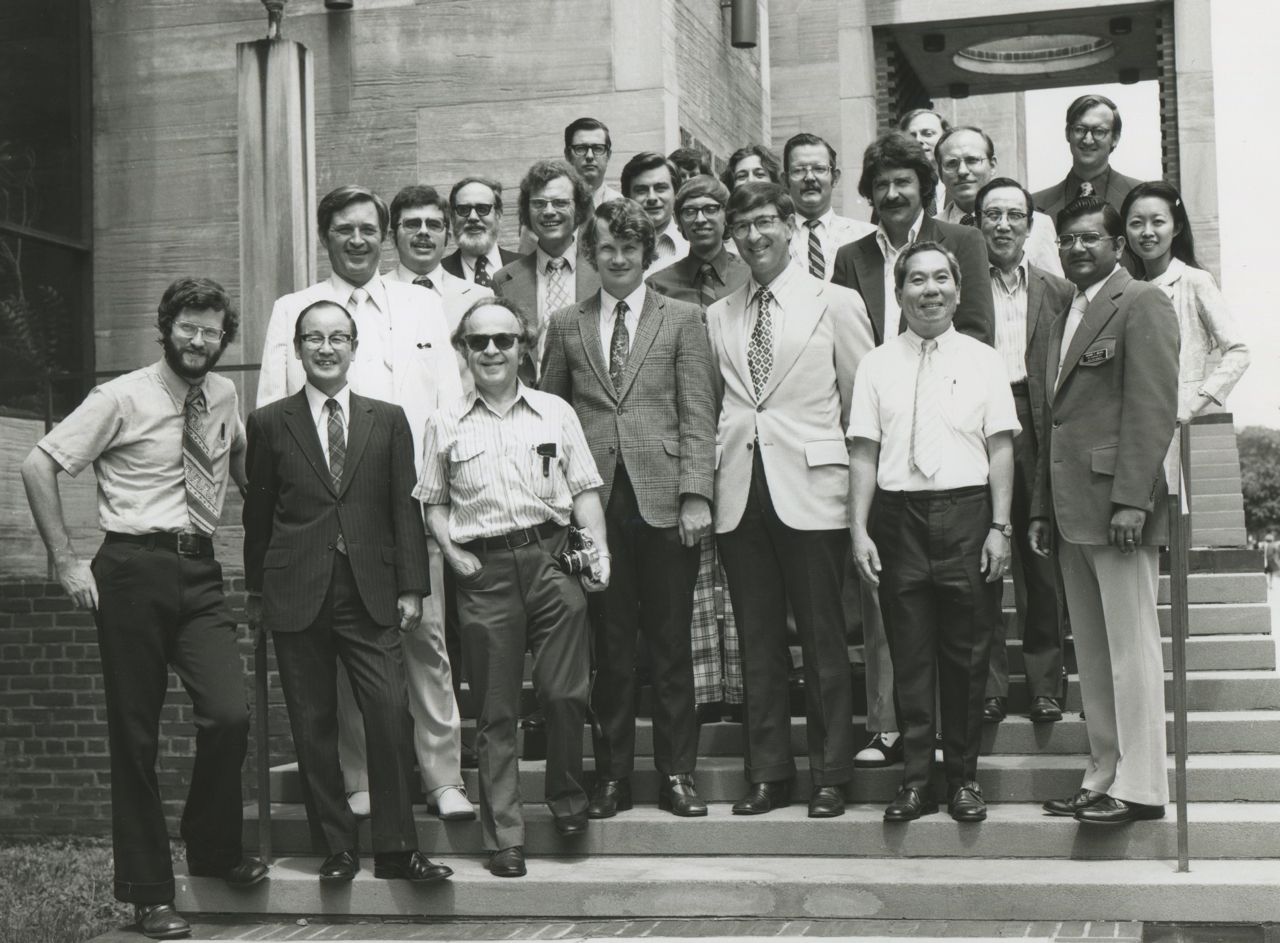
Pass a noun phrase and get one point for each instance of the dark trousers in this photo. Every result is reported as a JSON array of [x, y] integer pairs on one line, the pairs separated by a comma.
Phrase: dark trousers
[[157, 609], [769, 564], [519, 600], [938, 615], [308, 663], [650, 591], [1040, 603]]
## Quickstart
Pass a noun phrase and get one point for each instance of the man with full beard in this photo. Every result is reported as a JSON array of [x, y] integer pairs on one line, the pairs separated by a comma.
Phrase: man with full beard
[[476, 204], [162, 441]]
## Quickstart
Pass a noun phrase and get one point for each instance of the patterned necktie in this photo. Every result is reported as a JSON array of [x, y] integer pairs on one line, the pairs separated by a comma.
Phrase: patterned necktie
[[337, 454], [707, 279], [197, 466], [557, 286], [760, 346], [817, 262], [619, 345], [481, 272], [926, 421], [425, 282], [968, 219], [1086, 189]]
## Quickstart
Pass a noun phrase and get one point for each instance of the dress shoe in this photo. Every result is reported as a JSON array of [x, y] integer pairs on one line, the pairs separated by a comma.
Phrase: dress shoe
[[245, 873], [763, 797], [451, 805], [1073, 804], [358, 802], [884, 749], [409, 866], [1112, 811], [710, 713], [571, 826], [160, 921], [677, 795], [993, 710], [826, 802], [1044, 710], [909, 804], [508, 863], [534, 720], [967, 804], [609, 797], [339, 868]]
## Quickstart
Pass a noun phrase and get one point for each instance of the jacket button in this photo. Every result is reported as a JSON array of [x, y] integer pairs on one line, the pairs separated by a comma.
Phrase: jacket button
[[1057, 424], [612, 450], [750, 446], [621, 410], [330, 546], [759, 409]]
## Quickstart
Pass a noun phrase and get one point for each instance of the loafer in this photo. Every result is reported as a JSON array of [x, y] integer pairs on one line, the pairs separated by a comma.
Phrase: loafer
[[409, 866], [884, 749], [993, 710], [1074, 803], [677, 795], [508, 863], [358, 803], [160, 921], [764, 797], [339, 868], [1044, 710], [245, 873], [710, 713], [452, 805], [571, 826], [1111, 811], [826, 802], [909, 804], [608, 798], [967, 805]]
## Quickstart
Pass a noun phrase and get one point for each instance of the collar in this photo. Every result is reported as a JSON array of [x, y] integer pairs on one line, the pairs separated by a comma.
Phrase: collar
[[672, 231], [635, 301], [1074, 180], [405, 274], [1167, 277], [778, 284], [945, 339], [522, 393], [952, 213], [493, 257], [178, 386], [570, 255], [1022, 269], [1092, 291], [882, 237], [718, 262], [316, 400], [824, 221], [375, 286]]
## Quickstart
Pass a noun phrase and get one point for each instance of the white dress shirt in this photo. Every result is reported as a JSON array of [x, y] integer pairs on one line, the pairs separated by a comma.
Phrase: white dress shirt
[[570, 255], [635, 304], [492, 257], [407, 275], [1010, 297], [892, 313], [1076, 314], [830, 236], [316, 401], [679, 248], [371, 361]]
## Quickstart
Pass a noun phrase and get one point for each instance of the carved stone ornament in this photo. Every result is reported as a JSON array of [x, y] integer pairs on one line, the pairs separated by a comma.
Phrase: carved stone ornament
[[275, 17]]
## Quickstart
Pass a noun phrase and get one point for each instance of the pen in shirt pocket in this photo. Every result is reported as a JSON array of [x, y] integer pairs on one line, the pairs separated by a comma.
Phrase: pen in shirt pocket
[[222, 433]]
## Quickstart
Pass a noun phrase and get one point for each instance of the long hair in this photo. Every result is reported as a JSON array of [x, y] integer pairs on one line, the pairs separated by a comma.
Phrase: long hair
[[1184, 244]]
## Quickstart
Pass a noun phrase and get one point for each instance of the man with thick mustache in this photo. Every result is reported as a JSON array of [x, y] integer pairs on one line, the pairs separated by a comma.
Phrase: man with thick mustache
[[475, 204], [162, 441], [651, 180], [812, 172]]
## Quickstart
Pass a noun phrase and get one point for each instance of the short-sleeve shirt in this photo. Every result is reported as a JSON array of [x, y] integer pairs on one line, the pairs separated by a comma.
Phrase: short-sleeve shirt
[[486, 466], [130, 430], [977, 404]]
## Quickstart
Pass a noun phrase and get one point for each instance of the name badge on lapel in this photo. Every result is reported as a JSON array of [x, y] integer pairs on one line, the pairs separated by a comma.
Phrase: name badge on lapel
[[1098, 354]]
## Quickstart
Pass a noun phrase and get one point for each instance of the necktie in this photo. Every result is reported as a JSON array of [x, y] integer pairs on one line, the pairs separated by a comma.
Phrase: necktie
[[968, 219], [481, 273], [817, 262], [557, 286], [926, 420], [619, 345], [1086, 189], [425, 282], [760, 345], [707, 280], [197, 466], [666, 246], [371, 364], [337, 454], [1078, 305]]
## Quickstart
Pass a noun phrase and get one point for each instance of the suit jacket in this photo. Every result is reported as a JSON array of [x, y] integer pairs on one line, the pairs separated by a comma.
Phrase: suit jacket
[[860, 266], [679, 281], [518, 281], [1048, 298], [662, 423], [802, 414], [1110, 414], [424, 367], [452, 263], [1052, 200], [293, 513]]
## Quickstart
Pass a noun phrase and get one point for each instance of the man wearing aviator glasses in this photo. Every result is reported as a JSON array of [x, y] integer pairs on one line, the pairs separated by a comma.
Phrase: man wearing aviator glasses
[[1092, 132]]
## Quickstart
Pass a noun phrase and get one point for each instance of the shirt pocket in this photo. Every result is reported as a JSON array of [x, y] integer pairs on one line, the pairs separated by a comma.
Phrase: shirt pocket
[[466, 463], [964, 403], [542, 463]]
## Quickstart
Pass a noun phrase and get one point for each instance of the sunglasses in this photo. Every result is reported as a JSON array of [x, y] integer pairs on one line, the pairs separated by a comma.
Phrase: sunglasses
[[480, 342]]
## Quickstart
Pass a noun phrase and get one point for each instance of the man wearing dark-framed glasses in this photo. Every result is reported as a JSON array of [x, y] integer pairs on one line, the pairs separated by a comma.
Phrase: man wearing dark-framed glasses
[[1093, 133]]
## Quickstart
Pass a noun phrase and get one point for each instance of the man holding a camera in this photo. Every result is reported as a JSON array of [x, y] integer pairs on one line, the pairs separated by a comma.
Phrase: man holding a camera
[[503, 470]]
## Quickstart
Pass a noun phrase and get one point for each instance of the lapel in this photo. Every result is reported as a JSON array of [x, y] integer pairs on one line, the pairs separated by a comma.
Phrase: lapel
[[589, 331], [1096, 316], [297, 419], [930, 231], [802, 318], [733, 333], [522, 282], [869, 263], [359, 426], [646, 331], [1036, 295], [585, 280]]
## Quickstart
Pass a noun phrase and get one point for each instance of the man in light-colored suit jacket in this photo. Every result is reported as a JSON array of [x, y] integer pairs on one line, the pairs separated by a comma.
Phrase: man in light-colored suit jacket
[[637, 369], [1112, 381], [786, 347], [404, 357], [811, 171]]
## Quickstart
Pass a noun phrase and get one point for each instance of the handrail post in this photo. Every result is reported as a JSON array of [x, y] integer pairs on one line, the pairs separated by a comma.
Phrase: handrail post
[[1179, 542]]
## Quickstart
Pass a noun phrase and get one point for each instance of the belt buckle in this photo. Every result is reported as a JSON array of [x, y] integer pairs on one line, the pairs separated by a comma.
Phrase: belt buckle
[[517, 539], [188, 545]]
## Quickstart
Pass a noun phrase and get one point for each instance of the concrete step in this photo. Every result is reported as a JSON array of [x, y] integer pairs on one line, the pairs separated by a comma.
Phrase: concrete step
[[1219, 560], [1230, 519], [1204, 653], [808, 887], [1218, 536], [1012, 830], [1212, 471], [1227, 484], [1218, 502], [1246, 618], [1202, 588]]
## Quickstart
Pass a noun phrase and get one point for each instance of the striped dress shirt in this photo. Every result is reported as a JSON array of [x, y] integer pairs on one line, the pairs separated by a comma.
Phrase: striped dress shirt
[[1011, 318]]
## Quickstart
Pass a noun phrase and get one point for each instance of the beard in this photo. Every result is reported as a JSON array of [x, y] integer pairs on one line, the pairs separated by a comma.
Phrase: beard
[[173, 357], [475, 243]]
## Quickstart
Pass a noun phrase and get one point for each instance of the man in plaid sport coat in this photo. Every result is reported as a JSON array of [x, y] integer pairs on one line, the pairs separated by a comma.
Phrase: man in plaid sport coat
[[637, 368]]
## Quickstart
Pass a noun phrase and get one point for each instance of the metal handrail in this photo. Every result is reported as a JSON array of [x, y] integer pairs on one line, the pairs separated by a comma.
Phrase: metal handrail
[[1179, 510]]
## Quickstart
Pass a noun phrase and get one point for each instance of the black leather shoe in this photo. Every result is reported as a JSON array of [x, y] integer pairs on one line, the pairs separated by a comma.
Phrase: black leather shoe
[[609, 797], [245, 873], [909, 804], [677, 795], [508, 863], [967, 805], [339, 868], [160, 921], [763, 797], [883, 749], [710, 713], [1044, 710], [1073, 804], [826, 802], [993, 710], [571, 826], [1110, 811], [733, 713], [409, 866]]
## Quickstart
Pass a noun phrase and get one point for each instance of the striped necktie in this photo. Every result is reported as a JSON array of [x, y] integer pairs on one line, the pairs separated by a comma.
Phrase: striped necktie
[[707, 279], [619, 345], [197, 466], [926, 420], [337, 455], [557, 286], [760, 345], [817, 261]]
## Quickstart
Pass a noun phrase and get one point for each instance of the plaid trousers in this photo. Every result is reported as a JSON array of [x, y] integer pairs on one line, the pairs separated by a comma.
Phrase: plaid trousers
[[717, 670]]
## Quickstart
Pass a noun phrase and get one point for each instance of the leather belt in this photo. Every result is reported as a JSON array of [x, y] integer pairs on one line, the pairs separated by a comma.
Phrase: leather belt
[[184, 545], [515, 538]]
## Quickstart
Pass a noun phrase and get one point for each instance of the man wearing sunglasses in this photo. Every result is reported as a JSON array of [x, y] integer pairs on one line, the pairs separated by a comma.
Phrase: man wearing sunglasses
[[475, 205], [1092, 133]]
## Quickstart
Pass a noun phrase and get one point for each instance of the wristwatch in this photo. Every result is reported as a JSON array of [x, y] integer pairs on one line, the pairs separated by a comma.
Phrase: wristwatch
[[1005, 529]]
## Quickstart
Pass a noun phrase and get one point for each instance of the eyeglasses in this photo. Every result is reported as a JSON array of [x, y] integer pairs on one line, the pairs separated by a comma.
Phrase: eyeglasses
[[710, 210], [1013, 216], [1090, 240], [540, 206], [480, 342], [952, 164], [317, 340], [187, 330], [346, 232], [763, 224], [463, 210], [1081, 131], [595, 150], [413, 224], [801, 171]]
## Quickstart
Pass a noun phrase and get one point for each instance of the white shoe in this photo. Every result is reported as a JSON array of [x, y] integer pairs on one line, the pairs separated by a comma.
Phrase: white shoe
[[359, 803], [452, 805], [885, 749]]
